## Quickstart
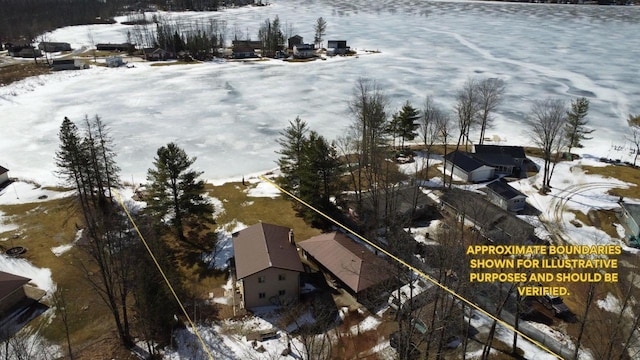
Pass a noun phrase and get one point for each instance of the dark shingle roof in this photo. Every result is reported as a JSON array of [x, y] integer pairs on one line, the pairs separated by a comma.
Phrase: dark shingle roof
[[495, 159], [516, 152], [263, 246], [3, 170], [10, 283], [352, 263], [503, 189], [464, 161]]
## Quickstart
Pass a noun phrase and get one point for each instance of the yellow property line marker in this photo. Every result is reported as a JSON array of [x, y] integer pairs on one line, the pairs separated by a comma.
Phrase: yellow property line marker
[[166, 280], [417, 271]]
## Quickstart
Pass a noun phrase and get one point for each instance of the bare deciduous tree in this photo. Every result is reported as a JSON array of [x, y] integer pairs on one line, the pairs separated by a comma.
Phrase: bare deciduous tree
[[490, 92], [634, 137], [547, 132]]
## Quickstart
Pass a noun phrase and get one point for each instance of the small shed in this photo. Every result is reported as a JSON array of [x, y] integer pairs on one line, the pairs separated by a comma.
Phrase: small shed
[[4, 175], [505, 196], [66, 64], [467, 168]]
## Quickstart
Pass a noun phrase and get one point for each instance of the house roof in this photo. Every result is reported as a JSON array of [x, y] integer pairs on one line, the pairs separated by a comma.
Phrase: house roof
[[10, 283], [464, 161], [504, 190], [495, 159], [295, 37], [264, 246], [491, 218], [632, 209], [3, 170], [516, 152], [352, 263]]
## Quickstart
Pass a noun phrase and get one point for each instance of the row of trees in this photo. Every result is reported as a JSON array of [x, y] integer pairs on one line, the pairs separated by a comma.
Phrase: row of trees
[[119, 269]]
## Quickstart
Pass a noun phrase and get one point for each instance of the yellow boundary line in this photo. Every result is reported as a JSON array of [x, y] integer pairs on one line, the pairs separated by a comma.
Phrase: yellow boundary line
[[166, 280], [417, 271]]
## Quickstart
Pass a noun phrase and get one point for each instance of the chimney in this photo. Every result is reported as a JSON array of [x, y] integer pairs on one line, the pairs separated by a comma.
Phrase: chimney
[[291, 237]]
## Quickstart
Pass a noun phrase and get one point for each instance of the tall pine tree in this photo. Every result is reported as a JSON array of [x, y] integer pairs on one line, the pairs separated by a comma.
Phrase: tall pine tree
[[408, 122], [576, 129], [292, 143], [175, 192]]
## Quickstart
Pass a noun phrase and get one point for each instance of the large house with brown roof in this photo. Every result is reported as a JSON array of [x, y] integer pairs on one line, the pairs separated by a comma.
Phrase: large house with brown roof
[[267, 265], [357, 268]]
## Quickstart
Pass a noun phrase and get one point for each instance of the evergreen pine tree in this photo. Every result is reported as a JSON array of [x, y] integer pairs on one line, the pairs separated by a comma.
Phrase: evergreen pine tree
[[175, 191], [575, 128], [408, 122], [292, 143]]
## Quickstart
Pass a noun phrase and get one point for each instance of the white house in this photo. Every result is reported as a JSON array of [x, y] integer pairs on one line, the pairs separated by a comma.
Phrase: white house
[[505, 196]]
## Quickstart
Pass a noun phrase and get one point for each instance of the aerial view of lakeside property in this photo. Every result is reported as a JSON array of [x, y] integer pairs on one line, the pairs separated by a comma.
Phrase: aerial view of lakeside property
[[319, 179]]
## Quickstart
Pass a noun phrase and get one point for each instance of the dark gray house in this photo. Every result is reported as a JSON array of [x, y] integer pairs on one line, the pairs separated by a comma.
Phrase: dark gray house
[[293, 41], [243, 49], [48, 46], [507, 160], [505, 196], [337, 47]]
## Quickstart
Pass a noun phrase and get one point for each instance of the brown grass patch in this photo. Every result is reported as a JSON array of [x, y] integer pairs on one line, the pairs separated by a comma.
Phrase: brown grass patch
[[251, 210], [624, 173], [16, 72], [43, 226]]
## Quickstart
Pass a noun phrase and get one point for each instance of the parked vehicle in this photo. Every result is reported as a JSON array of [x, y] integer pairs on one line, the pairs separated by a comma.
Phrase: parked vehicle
[[554, 303]]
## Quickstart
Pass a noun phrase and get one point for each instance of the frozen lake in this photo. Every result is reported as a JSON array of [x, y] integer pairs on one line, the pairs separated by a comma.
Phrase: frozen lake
[[229, 115]]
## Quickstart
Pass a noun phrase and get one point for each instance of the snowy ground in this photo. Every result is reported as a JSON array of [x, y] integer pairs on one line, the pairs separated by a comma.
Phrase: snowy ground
[[230, 114]]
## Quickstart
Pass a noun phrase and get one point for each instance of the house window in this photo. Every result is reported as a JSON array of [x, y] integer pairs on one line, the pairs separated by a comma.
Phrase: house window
[[281, 292], [281, 277], [261, 279], [262, 295]]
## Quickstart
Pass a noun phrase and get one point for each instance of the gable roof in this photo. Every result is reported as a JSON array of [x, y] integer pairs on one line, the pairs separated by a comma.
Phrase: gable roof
[[504, 190], [262, 246], [10, 283], [516, 152], [349, 261], [464, 161], [3, 170]]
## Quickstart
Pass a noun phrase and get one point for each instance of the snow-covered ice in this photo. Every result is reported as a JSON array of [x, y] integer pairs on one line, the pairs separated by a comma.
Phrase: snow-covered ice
[[230, 114]]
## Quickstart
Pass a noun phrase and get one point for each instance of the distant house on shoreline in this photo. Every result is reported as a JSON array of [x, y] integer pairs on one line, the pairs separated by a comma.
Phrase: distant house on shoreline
[[124, 47], [47, 46], [337, 47], [4, 175]]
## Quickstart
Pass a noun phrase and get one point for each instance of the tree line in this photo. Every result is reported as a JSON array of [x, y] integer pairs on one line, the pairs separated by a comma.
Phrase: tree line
[[24, 20], [357, 173], [119, 270]]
